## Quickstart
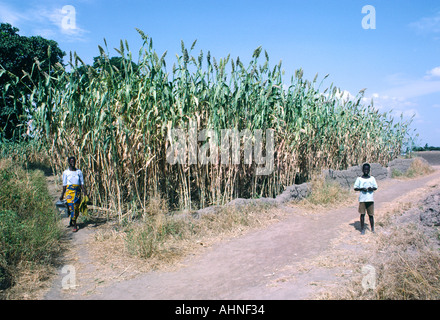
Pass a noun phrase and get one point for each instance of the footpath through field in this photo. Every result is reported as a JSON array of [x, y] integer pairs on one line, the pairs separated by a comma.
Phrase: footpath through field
[[270, 263]]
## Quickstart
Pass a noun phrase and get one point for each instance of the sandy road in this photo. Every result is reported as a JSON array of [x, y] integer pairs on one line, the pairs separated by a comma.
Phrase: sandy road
[[260, 264]]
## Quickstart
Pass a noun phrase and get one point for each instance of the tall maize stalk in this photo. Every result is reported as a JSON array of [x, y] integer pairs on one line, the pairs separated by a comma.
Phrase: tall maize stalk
[[116, 122]]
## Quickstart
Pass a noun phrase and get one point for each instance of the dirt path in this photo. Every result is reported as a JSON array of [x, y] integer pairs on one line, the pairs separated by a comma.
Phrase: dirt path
[[286, 260]]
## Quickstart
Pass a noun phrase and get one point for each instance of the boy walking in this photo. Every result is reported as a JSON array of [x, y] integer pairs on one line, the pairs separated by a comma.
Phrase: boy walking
[[366, 185]]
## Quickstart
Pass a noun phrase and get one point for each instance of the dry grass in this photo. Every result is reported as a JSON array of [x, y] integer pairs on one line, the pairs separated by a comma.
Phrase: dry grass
[[325, 195], [161, 241], [406, 266], [419, 167], [405, 256], [31, 282]]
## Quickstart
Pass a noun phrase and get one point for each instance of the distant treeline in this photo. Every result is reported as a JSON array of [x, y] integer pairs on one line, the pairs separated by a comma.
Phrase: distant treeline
[[426, 148]]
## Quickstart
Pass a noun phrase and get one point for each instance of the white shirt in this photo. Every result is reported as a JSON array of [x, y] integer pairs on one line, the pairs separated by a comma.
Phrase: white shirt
[[72, 177], [365, 196]]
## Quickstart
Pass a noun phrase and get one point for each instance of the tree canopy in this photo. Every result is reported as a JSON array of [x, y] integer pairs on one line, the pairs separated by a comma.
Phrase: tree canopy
[[18, 55]]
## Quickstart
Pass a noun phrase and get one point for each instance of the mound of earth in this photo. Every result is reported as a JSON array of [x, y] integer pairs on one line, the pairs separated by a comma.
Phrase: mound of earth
[[430, 216]]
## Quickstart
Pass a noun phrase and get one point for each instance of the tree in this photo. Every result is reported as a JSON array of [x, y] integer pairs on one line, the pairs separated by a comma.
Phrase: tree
[[18, 55]]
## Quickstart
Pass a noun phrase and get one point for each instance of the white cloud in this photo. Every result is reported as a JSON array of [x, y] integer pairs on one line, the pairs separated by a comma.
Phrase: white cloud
[[403, 98], [9, 15], [56, 17], [396, 107], [403, 87], [43, 21], [384, 101], [344, 95], [435, 72], [427, 25], [415, 89]]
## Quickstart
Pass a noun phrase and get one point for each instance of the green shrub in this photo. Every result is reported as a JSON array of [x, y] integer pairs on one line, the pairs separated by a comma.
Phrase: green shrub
[[29, 229]]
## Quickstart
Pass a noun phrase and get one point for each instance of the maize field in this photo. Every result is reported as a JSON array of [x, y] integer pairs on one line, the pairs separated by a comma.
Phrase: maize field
[[116, 122]]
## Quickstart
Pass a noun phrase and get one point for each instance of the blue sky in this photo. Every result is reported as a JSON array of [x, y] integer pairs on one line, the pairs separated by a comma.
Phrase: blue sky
[[398, 61]]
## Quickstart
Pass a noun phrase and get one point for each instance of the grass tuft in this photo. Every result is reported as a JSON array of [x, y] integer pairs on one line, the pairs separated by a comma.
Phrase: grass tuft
[[325, 194], [419, 167]]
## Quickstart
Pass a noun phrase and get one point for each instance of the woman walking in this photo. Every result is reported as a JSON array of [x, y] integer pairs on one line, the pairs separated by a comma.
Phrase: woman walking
[[73, 185]]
